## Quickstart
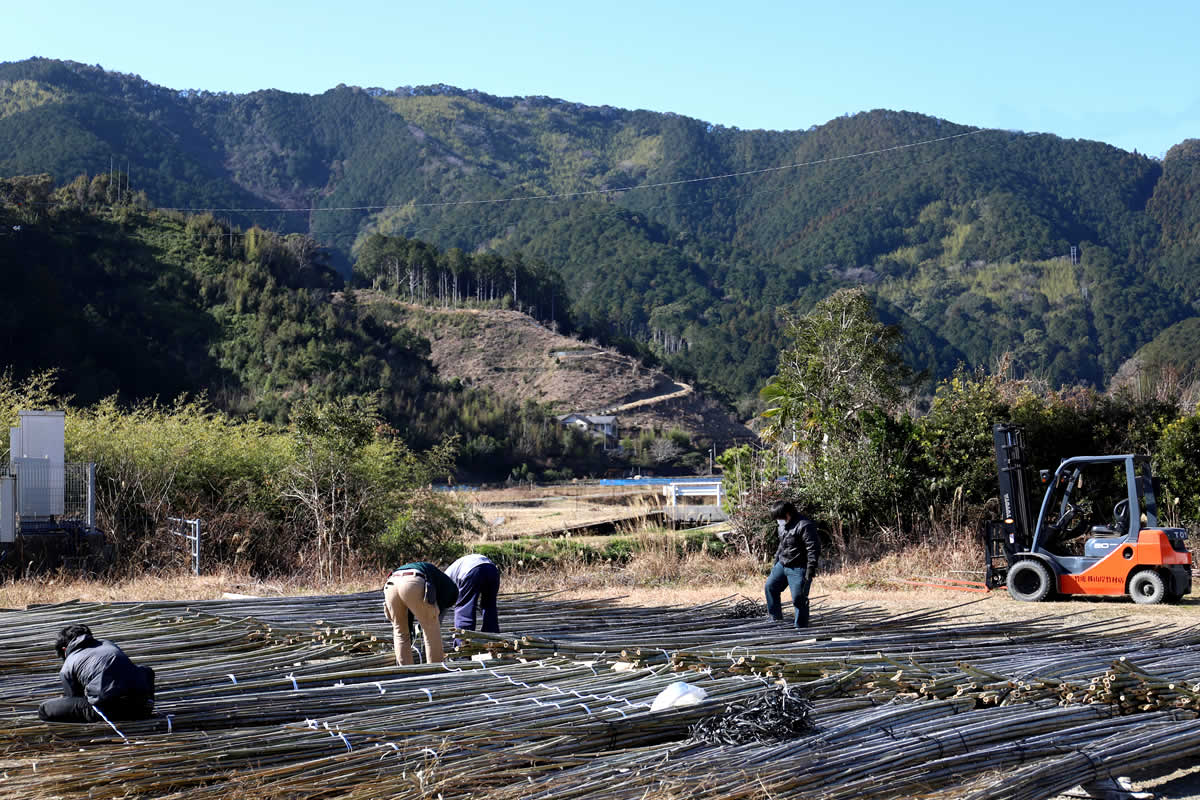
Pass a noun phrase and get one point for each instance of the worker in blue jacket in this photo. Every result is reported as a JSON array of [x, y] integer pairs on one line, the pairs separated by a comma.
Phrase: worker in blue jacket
[[98, 681]]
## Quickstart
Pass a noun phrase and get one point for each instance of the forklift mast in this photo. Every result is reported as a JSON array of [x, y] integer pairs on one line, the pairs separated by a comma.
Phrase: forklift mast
[[1013, 474], [1013, 532]]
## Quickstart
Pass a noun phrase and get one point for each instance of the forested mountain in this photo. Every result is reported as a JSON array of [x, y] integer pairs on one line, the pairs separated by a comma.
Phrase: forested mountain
[[963, 237], [140, 303], [122, 300]]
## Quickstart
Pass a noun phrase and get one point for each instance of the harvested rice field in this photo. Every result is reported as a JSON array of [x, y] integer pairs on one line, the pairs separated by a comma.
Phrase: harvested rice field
[[517, 512], [299, 697]]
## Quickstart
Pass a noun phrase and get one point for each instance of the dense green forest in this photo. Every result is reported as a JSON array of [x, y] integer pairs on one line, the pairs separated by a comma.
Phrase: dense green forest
[[132, 303], [964, 237]]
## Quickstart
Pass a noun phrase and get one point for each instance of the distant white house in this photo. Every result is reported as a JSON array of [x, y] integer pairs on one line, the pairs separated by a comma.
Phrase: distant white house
[[601, 426]]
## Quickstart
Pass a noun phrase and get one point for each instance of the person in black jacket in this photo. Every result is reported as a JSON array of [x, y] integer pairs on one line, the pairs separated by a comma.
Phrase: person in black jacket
[[795, 562], [97, 676]]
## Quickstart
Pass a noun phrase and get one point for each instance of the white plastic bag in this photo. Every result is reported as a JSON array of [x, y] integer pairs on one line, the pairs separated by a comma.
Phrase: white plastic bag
[[678, 694]]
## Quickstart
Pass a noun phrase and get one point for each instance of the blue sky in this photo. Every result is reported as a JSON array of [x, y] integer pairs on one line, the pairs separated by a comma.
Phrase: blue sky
[[1122, 73]]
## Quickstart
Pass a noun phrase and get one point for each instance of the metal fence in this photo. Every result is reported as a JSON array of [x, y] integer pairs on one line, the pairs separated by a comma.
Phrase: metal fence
[[189, 530], [79, 493], [42, 491]]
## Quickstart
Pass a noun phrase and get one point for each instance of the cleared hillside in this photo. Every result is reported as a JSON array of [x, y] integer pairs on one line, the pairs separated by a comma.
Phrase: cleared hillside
[[520, 359]]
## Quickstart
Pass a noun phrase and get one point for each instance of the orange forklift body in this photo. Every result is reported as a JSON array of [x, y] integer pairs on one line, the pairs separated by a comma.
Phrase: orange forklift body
[[1110, 575]]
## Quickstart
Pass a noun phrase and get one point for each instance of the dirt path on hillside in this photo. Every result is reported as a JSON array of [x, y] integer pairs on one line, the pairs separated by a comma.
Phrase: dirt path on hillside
[[683, 391], [521, 359]]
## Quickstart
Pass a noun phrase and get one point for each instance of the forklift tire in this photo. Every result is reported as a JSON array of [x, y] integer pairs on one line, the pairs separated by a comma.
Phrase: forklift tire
[[1147, 587], [1029, 581]]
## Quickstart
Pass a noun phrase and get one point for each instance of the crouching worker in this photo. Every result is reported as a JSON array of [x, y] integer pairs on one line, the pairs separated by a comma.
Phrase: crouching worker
[[98, 681], [795, 562], [478, 583], [423, 591]]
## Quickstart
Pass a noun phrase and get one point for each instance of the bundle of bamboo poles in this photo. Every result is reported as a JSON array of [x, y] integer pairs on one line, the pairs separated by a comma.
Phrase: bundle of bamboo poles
[[300, 697]]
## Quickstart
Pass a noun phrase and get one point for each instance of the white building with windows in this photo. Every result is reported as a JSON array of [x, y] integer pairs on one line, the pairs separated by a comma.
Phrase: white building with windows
[[601, 426]]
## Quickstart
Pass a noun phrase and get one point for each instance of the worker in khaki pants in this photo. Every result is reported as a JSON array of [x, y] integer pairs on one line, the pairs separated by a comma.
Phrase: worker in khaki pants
[[423, 591]]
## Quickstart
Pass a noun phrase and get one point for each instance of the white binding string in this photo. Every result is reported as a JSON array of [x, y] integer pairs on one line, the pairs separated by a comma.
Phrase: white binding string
[[109, 721]]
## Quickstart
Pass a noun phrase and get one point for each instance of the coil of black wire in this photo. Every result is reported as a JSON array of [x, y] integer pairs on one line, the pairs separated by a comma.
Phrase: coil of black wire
[[776, 714], [745, 608]]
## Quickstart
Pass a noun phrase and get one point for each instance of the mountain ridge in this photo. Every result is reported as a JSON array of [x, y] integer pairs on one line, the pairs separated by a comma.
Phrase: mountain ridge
[[958, 238]]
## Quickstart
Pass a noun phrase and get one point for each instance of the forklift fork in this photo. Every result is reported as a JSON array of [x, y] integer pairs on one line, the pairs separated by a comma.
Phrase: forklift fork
[[999, 555]]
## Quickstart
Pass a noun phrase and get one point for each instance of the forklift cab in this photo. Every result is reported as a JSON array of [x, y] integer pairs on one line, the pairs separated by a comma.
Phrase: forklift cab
[[1098, 534], [1096, 531], [1090, 508]]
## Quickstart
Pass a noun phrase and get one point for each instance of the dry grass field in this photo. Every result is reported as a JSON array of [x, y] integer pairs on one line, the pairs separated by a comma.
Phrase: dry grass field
[[512, 513], [656, 578]]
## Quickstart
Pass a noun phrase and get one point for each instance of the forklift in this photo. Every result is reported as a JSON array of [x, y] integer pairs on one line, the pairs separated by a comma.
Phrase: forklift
[[1096, 532]]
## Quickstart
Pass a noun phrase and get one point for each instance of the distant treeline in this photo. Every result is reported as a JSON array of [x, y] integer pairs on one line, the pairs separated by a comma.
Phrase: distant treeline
[[421, 273]]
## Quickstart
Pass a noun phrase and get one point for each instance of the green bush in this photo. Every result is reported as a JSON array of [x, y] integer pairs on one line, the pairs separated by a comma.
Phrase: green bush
[[955, 438], [527, 553], [336, 487], [184, 460], [512, 555], [431, 528], [1177, 462], [705, 542]]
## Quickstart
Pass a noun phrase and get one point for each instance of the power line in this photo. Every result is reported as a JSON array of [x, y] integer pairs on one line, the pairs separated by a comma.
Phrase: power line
[[589, 192], [414, 228]]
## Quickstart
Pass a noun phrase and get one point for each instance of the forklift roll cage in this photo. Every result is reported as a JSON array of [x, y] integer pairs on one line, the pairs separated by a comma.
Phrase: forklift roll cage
[[1115, 555]]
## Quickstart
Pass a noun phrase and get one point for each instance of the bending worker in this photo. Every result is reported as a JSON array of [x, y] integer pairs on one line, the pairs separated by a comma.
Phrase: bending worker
[[423, 591], [478, 583], [98, 681], [795, 562]]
